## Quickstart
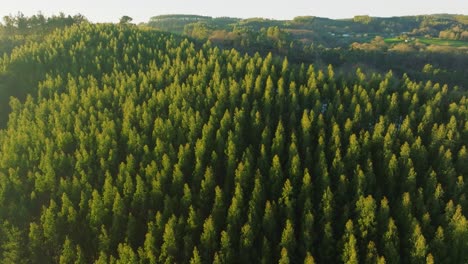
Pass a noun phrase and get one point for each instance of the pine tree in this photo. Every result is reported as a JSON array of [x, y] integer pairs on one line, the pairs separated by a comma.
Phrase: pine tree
[[418, 246], [284, 259], [350, 253], [246, 244], [169, 249], [276, 177], [288, 240], [391, 243], [68, 254], [126, 254], [11, 244], [366, 208], [438, 245], [458, 228], [309, 259], [269, 222], [208, 239], [195, 257], [287, 201], [226, 251], [206, 191]]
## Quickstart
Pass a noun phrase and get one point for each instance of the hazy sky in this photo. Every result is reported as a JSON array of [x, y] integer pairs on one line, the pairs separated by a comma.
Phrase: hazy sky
[[142, 10]]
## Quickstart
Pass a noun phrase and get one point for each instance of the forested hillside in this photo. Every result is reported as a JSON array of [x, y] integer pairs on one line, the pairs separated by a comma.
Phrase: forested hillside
[[24, 70], [128, 145], [401, 44]]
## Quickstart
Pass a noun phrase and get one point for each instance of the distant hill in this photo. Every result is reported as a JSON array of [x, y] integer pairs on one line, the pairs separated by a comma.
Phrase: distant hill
[[331, 32]]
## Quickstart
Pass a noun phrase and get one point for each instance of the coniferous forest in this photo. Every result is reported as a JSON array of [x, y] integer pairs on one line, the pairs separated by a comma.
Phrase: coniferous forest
[[123, 144]]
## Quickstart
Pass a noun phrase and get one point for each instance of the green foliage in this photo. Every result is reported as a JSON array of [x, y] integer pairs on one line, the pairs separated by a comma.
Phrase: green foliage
[[349, 254], [125, 20], [362, 19], [129, 145]]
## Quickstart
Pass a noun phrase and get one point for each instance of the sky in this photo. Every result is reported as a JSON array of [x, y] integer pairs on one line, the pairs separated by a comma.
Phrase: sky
[[142, 10]]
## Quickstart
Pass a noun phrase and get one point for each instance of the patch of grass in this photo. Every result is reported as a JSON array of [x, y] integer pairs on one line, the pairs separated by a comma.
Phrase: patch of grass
[[393, 40], [444, 42]]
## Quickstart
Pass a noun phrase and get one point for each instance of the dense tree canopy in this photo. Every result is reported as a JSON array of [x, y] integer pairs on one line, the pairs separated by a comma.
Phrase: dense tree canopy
[[126, 145]]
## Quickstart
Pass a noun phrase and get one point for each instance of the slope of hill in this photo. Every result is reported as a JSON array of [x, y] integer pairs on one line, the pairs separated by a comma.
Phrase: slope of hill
[[136, 146]]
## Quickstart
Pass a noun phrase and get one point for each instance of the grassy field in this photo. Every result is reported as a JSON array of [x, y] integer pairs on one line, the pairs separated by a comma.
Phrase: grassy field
[[434, 41], [392, 40], [444, 42]]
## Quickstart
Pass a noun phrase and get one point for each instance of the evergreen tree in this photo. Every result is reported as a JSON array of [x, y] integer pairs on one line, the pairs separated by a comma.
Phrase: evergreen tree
[[350, 253], [196, 257]]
